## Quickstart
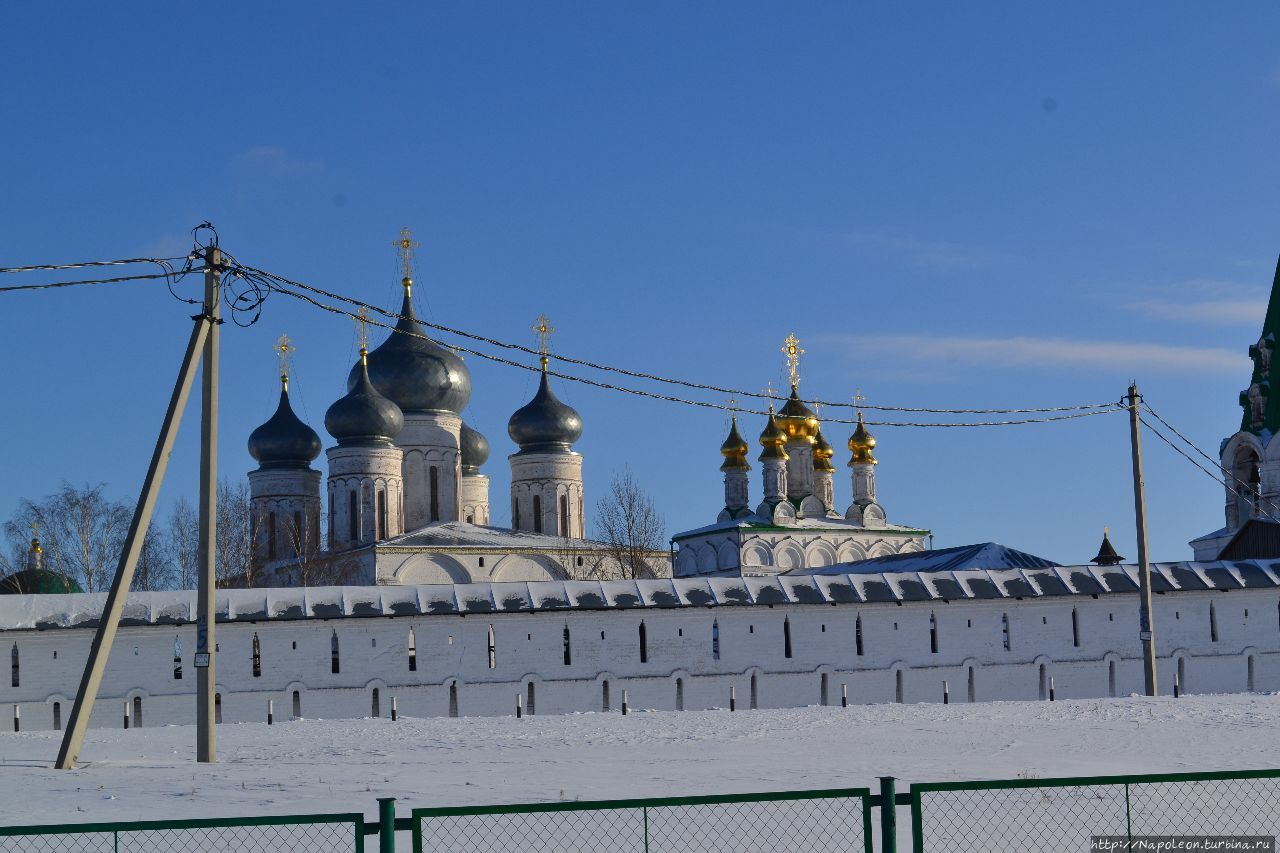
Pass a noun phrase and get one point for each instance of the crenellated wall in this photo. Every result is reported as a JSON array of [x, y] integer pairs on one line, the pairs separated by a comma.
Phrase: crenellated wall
[[476, 646]]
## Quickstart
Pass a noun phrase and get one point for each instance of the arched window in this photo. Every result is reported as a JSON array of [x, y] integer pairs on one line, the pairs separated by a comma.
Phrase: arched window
[[972, 686], [1111, 678], [57, 716], [822, 690], [297, 703], [537, 513], [755, 692], [382, 514], [604, 695], [257, 657], [353, 520], [333, 650], [435, 493], [377, 709], [898, 687], [413, 652], [453, 700], [564, 515], [529, 706], [679, 694], [515, 513], [137, 712], [1044, 681]]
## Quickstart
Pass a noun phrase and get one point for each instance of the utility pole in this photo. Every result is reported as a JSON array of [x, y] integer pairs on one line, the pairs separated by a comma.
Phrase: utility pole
[[206, 642], [105, 634], [1146, 629]]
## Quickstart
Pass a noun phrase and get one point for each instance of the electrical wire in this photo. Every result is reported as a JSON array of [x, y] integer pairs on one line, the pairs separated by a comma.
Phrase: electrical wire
[[84, 264], [735, 392], [1111, 407], [1254, 498], [50, 285]]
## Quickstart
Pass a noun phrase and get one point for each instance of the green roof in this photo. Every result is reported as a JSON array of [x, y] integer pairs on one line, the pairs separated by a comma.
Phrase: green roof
[[37, 582], [1265, 414]]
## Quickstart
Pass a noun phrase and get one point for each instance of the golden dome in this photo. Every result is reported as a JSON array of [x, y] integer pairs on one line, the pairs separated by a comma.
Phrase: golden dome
[[734, 450], [822, 453], [798, 420], [861, 444], [772, 439]]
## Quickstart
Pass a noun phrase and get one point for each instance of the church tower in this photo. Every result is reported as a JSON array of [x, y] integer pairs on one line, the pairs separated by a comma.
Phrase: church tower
[[1250, 459], [284, 491], [475, 485], [773, 468], [735, 467], [864, 510], [431, 386], [824, 473], [365, 486], [546, 473]]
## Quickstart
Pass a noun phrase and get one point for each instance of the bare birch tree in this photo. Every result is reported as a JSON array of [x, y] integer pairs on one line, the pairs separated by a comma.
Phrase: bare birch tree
[[81, 531], [629, 525], [234, 537], [182, 543]]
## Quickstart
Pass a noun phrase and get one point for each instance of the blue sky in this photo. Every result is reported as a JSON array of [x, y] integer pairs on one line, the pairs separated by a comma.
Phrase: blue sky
[[969, 206]]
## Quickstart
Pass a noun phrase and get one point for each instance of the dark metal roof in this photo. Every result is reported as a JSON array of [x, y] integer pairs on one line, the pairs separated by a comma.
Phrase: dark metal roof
[[984, 555], [415, 372], [284, 441], [544, 424]]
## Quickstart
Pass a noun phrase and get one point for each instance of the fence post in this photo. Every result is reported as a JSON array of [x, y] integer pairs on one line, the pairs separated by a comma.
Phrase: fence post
[[386, 825], [733, 698], [271, 711], [888, 815], [844, 695], [645, 811]]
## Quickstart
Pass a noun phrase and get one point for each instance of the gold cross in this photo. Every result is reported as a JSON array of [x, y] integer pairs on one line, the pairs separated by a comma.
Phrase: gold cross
[[362, 322], [406, 244], [35, 538], [858, 399], [284, 349], [544, 330], [733, 406], [791, 348]]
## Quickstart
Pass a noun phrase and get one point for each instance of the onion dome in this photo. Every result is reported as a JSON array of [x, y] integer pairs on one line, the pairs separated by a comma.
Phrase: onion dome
[[797, 419], [1107, 555], [475, 450], [734, 450], [414, 372], [544, 424], [822, 452], [37, 582], [772, 439], [861, 444], [364, 416], [284, 441]]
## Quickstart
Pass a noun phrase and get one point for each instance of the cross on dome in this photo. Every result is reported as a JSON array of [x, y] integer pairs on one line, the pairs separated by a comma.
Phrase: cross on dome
[[406, 246], [362, 323], [791, 349], [543, 329], [284, 349]]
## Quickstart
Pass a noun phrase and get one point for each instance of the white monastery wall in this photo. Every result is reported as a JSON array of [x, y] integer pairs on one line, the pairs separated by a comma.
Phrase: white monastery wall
[[692, 656]]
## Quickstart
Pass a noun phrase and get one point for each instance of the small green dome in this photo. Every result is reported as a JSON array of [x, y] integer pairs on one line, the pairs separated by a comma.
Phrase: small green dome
[[37, 582]]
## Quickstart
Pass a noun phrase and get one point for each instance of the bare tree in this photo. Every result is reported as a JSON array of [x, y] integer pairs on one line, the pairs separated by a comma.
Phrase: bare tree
[[629, 525], [81, 531], [182, 543], [234, 538], [154, 570]]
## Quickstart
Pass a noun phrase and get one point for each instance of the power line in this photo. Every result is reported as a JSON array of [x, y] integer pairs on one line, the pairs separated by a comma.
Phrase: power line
[[1111, 407], [735, 392], [84, 264], [50, 285]]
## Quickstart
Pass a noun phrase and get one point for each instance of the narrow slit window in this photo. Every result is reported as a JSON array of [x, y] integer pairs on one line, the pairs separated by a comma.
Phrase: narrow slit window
[[57, 716], [568, 650], [1075, 627], [515, 512], [1213, 623], [435, 493], [679, 694], [857, 635], [493, 650], [1111, 678], [382, 515], [137, 712], [972, 685], [353, 517], [715, 640], [537, 513], [755, 692], [604, 695], [177, 658], [529, 703], [564, 516], [15, 666], [644, 644], [453, 699], [333, 653], [377, 705], [786, 637], [297, 703], [1004, 628], [898, 687], [257, 657], [933, 633]]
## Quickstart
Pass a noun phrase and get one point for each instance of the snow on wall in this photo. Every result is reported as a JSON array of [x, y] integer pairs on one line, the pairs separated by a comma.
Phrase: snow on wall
[[575, 646]]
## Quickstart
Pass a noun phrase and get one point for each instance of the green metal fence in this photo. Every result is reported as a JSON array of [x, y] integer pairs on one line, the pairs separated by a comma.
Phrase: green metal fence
[[323, 833], [1062, 814], [813, 821]]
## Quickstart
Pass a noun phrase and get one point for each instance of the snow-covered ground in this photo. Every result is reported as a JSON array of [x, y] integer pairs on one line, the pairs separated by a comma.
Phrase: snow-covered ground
[[343, 765]]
